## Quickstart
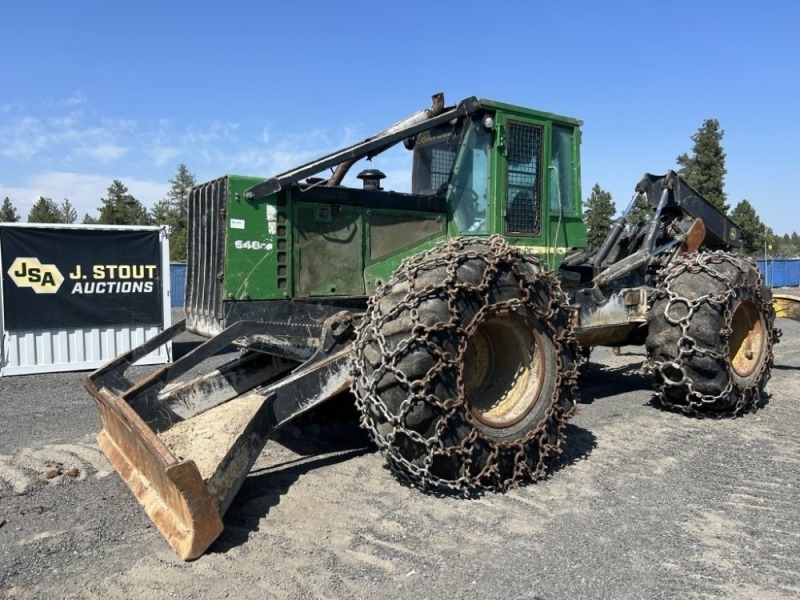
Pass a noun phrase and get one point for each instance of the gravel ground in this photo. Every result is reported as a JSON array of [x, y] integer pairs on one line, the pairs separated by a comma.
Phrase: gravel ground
[[643, 504]]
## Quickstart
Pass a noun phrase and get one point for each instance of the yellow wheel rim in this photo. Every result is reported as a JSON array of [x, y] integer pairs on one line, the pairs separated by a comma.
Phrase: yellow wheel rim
[[503, 370], [748, 339]]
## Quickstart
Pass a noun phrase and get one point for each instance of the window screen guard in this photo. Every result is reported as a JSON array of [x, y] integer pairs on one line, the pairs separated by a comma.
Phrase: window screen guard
[[523, 180]]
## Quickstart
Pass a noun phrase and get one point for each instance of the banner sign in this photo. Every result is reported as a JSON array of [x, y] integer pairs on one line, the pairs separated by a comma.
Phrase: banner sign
[[76, 278]]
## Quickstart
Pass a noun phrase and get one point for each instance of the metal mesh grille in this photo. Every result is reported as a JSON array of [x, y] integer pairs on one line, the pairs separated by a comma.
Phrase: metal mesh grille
[[206, 254], [523, 214], [441, 166]]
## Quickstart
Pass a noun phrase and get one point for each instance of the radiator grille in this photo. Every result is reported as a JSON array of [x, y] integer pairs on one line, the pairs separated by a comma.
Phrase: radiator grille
[[206, 257]]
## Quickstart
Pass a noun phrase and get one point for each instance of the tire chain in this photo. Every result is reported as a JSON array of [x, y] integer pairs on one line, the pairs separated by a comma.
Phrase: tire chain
[[548, 436], [706, 263]]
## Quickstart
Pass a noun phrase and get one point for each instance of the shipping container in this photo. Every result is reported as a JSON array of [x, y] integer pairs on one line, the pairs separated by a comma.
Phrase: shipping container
[[781, 272]]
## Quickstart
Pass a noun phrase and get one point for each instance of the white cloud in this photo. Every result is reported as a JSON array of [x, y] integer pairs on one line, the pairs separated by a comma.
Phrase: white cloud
[[120, 125], [162, 155], [70, 154], [76, 99], [23, 139], [70, 140], [64, 122], [146, 191], [350, 135], [102, 153], [84, 190], [59, 139], [275, 154], [216, 132]]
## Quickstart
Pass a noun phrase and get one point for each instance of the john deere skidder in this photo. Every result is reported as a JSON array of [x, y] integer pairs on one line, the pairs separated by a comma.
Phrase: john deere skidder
[[457, 313]]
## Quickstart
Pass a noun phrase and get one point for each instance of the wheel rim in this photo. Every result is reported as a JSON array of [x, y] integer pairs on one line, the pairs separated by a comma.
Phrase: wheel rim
[[748, 339], [503, 371]]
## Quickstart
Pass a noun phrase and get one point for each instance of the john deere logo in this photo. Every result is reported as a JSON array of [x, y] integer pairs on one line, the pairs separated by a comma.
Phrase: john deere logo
[[29, 272]]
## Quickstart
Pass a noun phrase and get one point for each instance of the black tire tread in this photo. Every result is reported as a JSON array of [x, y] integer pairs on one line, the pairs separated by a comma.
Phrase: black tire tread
[[696, 377], [409, 378]]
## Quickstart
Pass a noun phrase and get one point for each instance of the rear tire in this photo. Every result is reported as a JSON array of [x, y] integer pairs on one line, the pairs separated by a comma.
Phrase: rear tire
[[465, 367], [710, 337]]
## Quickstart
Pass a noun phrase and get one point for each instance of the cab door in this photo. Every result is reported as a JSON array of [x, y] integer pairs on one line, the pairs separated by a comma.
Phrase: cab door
[[522, 180]]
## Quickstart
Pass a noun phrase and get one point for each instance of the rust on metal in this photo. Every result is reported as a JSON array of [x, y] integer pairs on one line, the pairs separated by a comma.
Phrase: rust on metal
[[171, 491], [185, 447], [694, 237], [613, 334]]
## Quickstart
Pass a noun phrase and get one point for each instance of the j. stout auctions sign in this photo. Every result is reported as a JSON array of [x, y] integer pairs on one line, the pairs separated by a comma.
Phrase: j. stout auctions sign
[[59, 278]]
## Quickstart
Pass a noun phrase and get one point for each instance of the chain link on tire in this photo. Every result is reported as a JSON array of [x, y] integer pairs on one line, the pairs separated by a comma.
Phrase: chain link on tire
[[409, 362], [711, 332]]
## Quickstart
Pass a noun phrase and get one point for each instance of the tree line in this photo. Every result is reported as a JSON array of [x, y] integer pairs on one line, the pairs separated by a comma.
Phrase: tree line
[[119, 207], [705, 171]]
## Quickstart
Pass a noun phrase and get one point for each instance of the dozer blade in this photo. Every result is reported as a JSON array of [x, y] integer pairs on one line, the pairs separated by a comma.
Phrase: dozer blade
[[786, 306], [184, 448]]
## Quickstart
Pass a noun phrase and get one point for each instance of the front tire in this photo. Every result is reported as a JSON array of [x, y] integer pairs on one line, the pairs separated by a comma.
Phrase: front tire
[[465, 367], [710, 337]]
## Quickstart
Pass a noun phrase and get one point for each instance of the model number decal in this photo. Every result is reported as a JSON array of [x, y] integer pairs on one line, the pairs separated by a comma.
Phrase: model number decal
[[252, 245]]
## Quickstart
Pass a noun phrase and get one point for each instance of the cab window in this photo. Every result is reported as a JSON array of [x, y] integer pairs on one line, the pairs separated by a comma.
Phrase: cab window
[[469, 187], [562, 190], [523, 179]]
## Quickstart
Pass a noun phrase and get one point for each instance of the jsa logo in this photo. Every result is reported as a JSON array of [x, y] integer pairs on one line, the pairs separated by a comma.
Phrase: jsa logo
[[29, 272]]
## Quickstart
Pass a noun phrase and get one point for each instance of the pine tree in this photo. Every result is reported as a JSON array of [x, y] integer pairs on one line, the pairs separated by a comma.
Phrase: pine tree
[[705, 169], [598, 213], [782, 246], [45, 211], [641, 212], [89, 219], [121, 208], [68, 212], [794, 247], [8, 214], [173, 211], [753, 230]]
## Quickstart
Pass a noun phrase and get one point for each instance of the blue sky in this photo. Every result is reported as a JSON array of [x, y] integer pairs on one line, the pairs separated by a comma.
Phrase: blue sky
[[96, 91]]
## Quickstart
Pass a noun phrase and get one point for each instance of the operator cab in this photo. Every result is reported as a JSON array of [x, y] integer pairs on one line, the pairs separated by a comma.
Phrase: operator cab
[[505, 170], [453, 161]]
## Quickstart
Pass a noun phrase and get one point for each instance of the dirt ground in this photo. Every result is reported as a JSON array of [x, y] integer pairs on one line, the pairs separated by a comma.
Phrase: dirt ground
[[643, 504]]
